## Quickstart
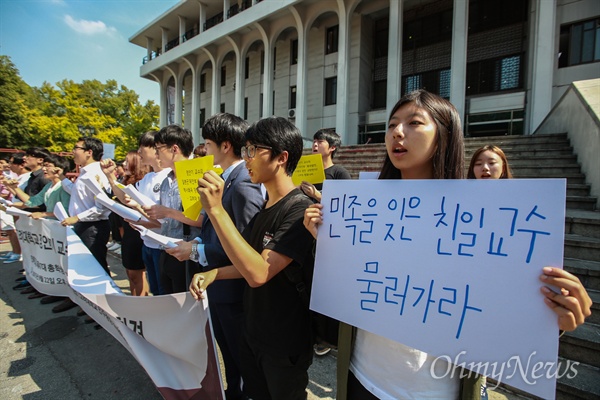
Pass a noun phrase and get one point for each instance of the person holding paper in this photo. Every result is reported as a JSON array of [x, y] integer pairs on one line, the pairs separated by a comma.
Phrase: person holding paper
[[172, 144], [276, 347], [424, 140], [489, 162], [326, 143], [131, 255], [89, 220], [224, 136], [53, 169]]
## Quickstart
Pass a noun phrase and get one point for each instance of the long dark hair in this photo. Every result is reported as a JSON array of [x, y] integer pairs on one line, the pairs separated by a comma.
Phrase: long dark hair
[[448, 158], [506, 174]]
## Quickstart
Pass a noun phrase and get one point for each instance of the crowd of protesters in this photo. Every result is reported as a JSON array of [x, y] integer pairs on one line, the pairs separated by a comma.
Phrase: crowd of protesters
[[254, 241]]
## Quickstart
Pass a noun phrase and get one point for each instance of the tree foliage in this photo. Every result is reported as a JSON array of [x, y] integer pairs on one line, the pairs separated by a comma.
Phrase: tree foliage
[[52, 116]]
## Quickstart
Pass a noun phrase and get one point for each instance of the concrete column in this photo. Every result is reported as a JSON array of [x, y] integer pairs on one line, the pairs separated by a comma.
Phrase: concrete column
[[458, 61], [182, 28], [226, 5], [149, 45], [165, 38], [179, 100], [394, 68], [240, 66], [216, 88], [301, 82], [163, 104], [268, 81], [341, 119], [543, 62], [202, 16], [195, 111]]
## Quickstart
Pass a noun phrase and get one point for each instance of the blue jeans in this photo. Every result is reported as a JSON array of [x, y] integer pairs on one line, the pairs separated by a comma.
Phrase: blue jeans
[[151, 257]]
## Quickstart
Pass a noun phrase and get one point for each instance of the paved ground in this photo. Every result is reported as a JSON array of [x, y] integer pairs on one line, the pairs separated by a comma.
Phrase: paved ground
[[50, 356]]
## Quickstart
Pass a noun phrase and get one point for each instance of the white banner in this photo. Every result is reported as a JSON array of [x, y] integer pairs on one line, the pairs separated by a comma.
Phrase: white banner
[[448, 267], [169, 335]]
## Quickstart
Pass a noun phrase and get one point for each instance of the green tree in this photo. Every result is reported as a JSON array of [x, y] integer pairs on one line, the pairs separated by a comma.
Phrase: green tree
[[14, 98]]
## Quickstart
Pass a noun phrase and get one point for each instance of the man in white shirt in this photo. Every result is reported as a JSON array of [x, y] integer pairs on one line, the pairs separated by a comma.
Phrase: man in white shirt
[[89, 220]]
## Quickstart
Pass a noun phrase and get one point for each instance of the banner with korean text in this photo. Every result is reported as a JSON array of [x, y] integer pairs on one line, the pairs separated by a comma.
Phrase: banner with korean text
[[169, 335], [449, 267]]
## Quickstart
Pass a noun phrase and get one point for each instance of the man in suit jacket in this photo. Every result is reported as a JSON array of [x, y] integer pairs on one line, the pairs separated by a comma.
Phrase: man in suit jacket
[[224, 136]]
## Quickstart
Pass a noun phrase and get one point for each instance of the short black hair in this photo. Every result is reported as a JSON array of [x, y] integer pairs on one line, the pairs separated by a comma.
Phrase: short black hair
[[279, 134], [37, 152], [147, 139], [176, 135], [17, 158], [225, 127], [58, 161], [93, 144], [331, 136]]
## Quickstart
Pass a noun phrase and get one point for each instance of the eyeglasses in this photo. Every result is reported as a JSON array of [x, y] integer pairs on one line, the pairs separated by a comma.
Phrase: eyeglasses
[[158, 148], [250, 151], [79, 147]]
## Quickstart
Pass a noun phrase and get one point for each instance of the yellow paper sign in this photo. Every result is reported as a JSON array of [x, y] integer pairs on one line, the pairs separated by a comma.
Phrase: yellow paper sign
[[188, 172], [309, 169]]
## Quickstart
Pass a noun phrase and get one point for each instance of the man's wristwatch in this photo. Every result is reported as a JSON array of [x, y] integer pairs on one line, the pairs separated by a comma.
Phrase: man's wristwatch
[[194, 254]]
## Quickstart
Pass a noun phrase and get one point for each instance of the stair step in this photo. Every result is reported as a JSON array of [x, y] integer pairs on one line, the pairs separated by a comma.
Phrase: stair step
[[584, 385], [581, 203], [578, 189], [582, 344], [582, 247], [587, 271], [584, 223]]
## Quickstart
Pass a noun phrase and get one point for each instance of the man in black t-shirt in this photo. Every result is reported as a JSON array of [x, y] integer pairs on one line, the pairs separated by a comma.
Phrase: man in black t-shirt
[[326, 143], [276, 348]]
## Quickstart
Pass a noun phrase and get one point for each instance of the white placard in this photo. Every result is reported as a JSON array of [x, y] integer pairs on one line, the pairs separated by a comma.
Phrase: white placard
[[120, 209], [59, 212], [446, 266], [169, 335], [136, 195]]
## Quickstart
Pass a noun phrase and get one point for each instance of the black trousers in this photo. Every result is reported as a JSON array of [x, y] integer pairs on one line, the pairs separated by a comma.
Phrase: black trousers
[[274, 377], [172, 274], [94, 235]]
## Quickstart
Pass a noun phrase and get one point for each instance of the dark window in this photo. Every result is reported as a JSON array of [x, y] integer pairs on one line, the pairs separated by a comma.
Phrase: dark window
[[202, 116], [381, 37], [331, 40], [485, 15], [330, 91], [274, 58], [379, 94], [273, 104], [579, 43], [262, 62], [222, 107], [202, 83], [293, 97], [223, 76], [247, 68], [495, 75], [434, 28], [246, 108], [294, 52], [436, 81]]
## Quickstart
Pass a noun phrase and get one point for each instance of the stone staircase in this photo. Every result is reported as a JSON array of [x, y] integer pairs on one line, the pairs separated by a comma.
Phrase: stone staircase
[[542, 156]]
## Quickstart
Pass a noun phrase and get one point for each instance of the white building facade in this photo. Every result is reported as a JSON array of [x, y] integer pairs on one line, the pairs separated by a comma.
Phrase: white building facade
[[343, 64]]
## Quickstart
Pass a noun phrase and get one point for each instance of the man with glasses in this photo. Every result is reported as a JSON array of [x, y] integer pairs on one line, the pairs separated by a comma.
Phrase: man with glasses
[[224, 136], [172, 143], [273, 251], [89, 220]]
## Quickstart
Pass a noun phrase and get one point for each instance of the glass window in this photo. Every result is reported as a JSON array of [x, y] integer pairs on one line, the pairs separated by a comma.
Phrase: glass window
[[247, 68], [330, 91], [223, 75], [202, 83], [579, 43], [294, 52], [331, 40], [293, 97]]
